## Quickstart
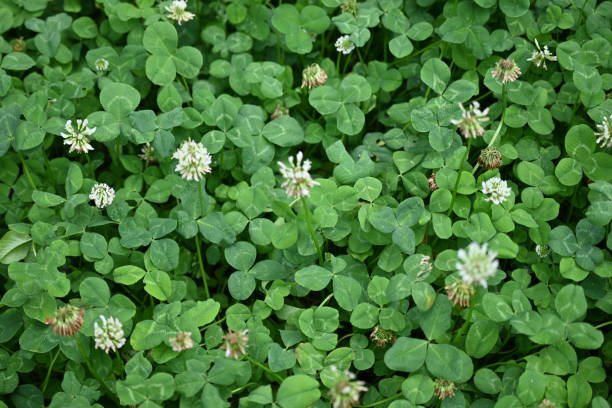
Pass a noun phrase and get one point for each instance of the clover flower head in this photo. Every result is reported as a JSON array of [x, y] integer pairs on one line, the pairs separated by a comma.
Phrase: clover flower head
[[313, 76], [182, 341], [147, 153], [235, 343], [460, 293], [67, 320], [101, 64], [344, 44], [506, 70], [471, 120], [110, 335], [490, 157], [102, 194], [297, 178], [178, 12], [78, 139], [477, 264], [604, 139], [193, 160], [19, 45], [347, 391], [279, 111], [432, 182], [444, 388], [496, 189], [540, 56], [542, 250], [382, 337]]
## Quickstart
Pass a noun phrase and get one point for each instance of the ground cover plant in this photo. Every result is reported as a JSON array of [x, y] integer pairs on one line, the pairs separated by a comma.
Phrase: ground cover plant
[[321, 203]]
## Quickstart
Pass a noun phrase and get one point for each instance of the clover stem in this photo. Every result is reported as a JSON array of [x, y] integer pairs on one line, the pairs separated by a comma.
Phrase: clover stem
[[266, 369], [92, 371], [311, 230], [90, 166], [198, 246], [360, 57], [463, 328], [338, 63], [498, 130], [44, 386], [26, 170], [609, 322], [346, 64], [465, 156], [375, 404], [325, 300]]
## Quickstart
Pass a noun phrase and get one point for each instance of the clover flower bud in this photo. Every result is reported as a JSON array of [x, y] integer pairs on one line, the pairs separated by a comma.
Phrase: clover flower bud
[[444, 388], [460, 293], [313, 76], [182, 341], [382, 337], [101, 64], [604, 139], [425, 268], [193, 160], [477, 264], [347, 391], [235, 343], [490, 157], [349, 6], [102, 194], [67, 320], [147, 153], [19, 45], [297, 178], [542, 250], [344, 44], [471, 120], [178, 11], [540, 56], [506, 70], [432, 182], [496, 189], [546, 403], [110, 335], [279, 111], [77, 138]]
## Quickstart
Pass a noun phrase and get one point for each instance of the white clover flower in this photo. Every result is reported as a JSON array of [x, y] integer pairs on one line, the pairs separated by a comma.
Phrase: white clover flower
[[506, 70], [344, 44], [178, 11], [604, 139], [297, 179], [147, 153], [476, 265], [182, 341], [193, 160], [540, 56], [496, 189], [471, 120], [102, 194], [346, 392], [101, 64], [235, 343], [110, 336], [77, 138]]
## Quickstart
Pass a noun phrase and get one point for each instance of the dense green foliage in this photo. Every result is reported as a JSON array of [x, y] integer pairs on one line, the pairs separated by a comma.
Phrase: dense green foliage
[[363, 273]]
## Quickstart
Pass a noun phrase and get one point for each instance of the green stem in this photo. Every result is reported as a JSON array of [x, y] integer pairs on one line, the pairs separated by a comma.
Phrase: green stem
[[266, 369], [311, 230], [346, 64], [375, 404], [92, 371], [465, 156], [360, 57], [325, 300], [201, 263], [501, 122], [46, 382], [463, 327], [604, 324], [26, 170], [243, 387], [338, 63], [90, 166]]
